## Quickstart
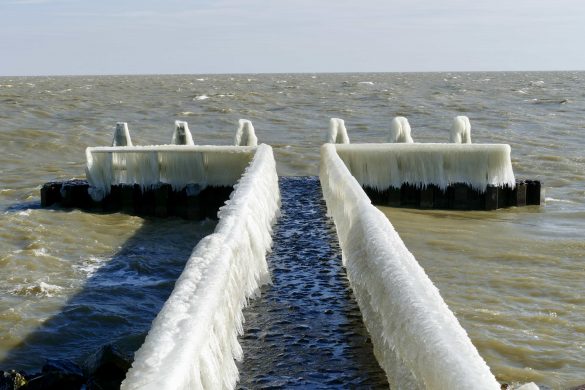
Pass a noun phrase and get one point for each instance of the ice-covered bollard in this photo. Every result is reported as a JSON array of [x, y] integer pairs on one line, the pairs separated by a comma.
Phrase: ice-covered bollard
[[182, 135], [245, 135], [121, 135], [337, 132], [461, 130], [400, 131]]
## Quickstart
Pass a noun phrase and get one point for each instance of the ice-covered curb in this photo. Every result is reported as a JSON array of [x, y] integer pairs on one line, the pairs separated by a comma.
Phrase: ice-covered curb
[[193, 341], [417, 339], [381, 166], [178, 165]]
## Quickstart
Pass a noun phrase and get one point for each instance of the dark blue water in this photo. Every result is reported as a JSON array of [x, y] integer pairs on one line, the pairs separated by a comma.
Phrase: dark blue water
[[306, 330]]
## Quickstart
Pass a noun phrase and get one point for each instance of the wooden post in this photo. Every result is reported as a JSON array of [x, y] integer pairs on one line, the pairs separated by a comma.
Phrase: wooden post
[[491, 198]]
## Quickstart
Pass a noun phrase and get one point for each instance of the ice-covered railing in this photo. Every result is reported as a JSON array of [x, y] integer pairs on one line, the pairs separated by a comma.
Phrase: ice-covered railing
[[245, 134], [193, 341], [182, 134], [417, 339], [381, 166], [337, 133], [178, 165]]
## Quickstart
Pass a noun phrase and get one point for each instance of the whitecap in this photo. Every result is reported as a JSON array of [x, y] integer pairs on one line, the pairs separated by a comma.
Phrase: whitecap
[[366, 82], [41, 289], [549, 199], [201, 97]]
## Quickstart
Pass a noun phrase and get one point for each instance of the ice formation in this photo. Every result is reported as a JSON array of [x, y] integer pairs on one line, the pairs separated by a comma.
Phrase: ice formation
[[182, 135], [417, 339], [122, 135], [400, 130], [382, 166], [337, 132], [178, 165], [245, 135], [461, 130], [193, 341]]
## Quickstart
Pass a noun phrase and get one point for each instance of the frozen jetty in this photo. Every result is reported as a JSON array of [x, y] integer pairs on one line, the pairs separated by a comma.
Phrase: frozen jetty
[[457, 175], [417, 339]]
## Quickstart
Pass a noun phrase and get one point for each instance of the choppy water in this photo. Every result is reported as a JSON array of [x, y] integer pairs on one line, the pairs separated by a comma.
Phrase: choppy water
[[512, 276]]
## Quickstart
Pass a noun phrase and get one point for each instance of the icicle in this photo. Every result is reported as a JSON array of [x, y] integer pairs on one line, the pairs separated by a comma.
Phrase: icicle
[[417, 339], [461, 130], [382, 166], [182, 135], [245, 135], [400, 130], [121, 135], [337, 132], [178, 165], [192, 343]]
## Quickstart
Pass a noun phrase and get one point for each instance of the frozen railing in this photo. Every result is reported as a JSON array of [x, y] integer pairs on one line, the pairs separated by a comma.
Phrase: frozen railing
[[178, 165], [417, 339], [193, 341], [381, 166], [337, 133]]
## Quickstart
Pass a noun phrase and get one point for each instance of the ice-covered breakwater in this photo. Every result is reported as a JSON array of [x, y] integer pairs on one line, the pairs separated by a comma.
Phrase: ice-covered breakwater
[[417, 339], [381, 166], [177, 165], [441, 176], [193, 341]]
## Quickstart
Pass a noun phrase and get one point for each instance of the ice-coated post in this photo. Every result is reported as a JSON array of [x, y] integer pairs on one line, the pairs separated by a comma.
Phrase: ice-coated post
[[400, 130], [182, 135], [121, 135], [245, 135], [337, 132], [461, 130]]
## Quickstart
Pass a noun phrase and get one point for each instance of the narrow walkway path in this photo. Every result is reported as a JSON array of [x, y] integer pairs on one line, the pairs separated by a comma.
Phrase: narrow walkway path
[[306, 330]]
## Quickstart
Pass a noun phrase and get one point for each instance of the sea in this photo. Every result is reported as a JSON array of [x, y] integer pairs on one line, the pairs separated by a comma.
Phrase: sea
[[515, 278]]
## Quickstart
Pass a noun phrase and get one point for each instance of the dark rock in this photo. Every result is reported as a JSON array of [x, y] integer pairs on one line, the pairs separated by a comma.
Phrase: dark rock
[[50, 194], [11, 380], [57, 374], [106, 368]]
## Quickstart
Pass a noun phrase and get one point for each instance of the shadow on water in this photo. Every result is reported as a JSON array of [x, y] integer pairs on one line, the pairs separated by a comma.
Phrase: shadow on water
[[119, 300]]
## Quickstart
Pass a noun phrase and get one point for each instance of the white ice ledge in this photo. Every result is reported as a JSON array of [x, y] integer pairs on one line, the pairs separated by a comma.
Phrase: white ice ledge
[[178, 165], [417, 339], [381, 166], [193, 341]]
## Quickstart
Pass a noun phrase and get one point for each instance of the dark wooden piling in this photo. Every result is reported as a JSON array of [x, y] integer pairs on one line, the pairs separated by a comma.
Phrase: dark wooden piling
[[193, 202], [458, 196]]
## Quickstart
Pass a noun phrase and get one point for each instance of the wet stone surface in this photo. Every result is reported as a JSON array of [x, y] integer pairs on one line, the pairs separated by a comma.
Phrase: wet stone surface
[[306, 330]]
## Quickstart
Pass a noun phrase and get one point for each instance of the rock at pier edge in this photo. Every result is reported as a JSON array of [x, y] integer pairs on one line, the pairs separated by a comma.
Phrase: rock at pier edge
[[103, 370]]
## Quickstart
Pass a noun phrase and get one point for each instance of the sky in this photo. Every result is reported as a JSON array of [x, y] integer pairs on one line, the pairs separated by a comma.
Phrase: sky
[[81, 37]]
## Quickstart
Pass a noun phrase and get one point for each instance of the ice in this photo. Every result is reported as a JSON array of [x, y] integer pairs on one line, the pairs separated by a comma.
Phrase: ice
[[122, 135], [461, 130], [417, 339], [337, 132], [400, 130], [193, 341], [245, 135], [182, 135], [178, 165], [381, 166]]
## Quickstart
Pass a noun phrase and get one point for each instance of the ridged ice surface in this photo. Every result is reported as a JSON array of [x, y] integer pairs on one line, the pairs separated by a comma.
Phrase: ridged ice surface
[[178, 165], [306, 330], [193, 341], [382, 166], [417, 339]]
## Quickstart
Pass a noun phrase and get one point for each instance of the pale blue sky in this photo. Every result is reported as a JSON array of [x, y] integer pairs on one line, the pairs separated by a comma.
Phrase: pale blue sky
[[49, 37]]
